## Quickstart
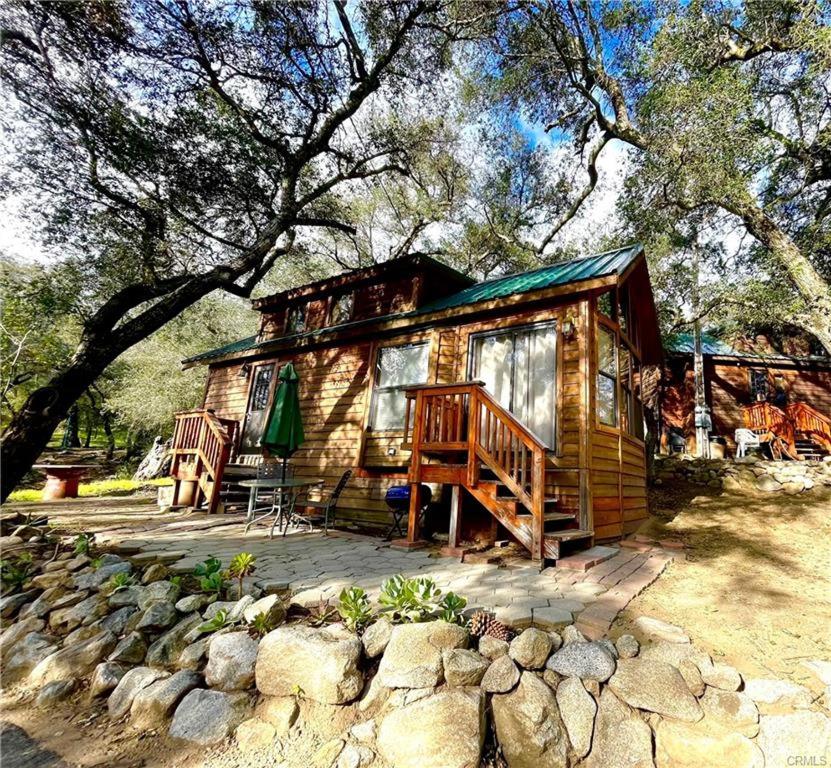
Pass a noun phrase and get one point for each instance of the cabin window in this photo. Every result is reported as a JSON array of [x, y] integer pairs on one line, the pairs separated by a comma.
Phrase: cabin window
[[259, 399], [758, 384], [342, 307], [519, 368], [607, 406], [624, 359], [605, 306], [397, 369], [296, 319]]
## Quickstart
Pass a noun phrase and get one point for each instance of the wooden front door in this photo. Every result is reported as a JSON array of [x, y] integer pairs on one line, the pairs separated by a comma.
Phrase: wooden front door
[[519, 368], [259, 400]]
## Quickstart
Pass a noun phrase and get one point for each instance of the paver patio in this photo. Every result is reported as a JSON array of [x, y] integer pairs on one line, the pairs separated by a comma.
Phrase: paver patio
[[316, 567]]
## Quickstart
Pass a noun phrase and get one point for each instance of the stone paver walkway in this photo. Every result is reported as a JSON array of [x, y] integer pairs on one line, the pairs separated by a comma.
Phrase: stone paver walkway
[[316, 567]]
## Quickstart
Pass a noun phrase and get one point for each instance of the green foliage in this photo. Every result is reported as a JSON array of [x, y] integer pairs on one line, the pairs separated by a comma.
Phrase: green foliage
[[354, 608], [82, 544], [14, 573], [214, 582], [242, 565], [119, 581], [208, 567], [111, 487], [409, 600], [261, 624], [96, 563], [218, 621], [451, 607], [176, 581]]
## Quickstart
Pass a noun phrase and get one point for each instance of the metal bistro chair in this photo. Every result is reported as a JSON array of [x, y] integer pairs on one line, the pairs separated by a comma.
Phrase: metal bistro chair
[[326, 506]]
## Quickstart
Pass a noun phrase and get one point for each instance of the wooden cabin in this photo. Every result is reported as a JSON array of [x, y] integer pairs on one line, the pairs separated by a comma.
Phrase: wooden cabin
[[516, 400], [752, 384]]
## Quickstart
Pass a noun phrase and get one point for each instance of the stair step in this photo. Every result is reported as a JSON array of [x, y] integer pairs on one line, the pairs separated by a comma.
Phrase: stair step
[[547, 517], [569, 535]]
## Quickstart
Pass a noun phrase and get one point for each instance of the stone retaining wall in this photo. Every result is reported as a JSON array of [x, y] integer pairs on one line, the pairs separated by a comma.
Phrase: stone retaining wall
[[749, 474]]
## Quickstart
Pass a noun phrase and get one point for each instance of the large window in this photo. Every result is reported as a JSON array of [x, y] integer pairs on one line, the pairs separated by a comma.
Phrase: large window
[[397, 369], [607, 406], [259, 400], [342, 307], [296, 319]]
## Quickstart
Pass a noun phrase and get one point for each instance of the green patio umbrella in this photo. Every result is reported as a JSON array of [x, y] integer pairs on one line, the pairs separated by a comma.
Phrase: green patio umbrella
[[283, 433]]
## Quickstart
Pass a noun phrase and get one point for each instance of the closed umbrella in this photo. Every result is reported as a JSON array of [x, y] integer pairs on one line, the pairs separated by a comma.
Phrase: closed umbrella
[[283, 433]]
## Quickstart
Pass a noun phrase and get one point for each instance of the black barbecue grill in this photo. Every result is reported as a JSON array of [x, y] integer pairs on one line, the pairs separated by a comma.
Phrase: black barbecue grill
[[398, 500]]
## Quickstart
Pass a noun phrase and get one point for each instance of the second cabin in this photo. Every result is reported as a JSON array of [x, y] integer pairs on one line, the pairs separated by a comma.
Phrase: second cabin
[[516, 401]]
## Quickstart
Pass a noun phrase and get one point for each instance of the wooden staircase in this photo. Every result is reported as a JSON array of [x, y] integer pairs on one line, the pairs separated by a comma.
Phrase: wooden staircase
[[201, 449], [460, 435], [799, 431]]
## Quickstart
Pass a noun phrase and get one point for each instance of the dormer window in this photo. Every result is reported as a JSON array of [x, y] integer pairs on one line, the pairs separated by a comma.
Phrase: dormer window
[[296, 319], [342, 309]]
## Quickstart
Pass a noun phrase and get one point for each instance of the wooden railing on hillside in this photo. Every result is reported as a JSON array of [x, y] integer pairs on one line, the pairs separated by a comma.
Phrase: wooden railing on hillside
[[773, 426], [464, 418], [810, 421], [201, 447]]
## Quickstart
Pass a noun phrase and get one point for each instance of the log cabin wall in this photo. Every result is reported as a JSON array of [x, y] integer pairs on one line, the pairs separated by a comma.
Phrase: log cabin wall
[[727, 389]]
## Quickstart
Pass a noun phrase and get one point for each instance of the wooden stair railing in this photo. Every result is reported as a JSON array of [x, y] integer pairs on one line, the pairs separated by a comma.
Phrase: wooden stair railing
[[772, 425], [201, 447], [470, 432], [810, 421]]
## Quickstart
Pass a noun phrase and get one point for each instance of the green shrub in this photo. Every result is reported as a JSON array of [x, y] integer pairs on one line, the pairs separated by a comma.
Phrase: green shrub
[[82, 544], [409, 600], [14, 574], [119, 581], [219, 621], [261, 624], [212, 583], [242, 565], [354, 608], [451, 607]]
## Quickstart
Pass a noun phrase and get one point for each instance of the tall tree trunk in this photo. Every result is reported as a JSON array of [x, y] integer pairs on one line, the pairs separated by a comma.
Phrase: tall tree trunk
[[108, 432], [814, 290]]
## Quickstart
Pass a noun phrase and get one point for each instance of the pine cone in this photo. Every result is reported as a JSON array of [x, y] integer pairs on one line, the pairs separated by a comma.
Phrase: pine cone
[[483, 623]]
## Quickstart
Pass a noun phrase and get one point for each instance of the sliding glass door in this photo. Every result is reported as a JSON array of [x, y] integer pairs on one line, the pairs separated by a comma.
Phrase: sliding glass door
[[519, 368]]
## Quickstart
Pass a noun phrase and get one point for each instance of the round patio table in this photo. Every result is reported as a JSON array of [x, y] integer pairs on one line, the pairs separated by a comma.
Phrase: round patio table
[[62, 479], [282, 512]]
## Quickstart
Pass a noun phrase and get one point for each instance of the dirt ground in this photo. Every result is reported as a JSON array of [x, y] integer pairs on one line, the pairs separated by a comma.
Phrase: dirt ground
[[755, 587]]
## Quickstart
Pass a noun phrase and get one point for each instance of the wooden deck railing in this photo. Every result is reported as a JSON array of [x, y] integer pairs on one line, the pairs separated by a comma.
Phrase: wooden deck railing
[[772, 425], [465, 418], [810, 421], [201, 447]]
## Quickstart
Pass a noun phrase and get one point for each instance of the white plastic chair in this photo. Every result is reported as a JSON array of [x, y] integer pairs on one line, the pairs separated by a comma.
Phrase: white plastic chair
[[745, 438]]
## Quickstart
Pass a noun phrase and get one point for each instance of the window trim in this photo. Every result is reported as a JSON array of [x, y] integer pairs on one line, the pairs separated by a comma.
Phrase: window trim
[[376, 390]]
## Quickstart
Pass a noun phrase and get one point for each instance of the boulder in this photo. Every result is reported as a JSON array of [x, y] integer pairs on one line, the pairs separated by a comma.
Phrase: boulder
[[730, 711], [85, 612], [158, 615], [279, 711], [165, 651], [153, 704], [79, 635], [322, 662], [131, 650], [681, 745], [58, 690], [621, 738], [26, 654], [158, 592], [254, 734], [94, 579], [270, 606], [588, 661], [805, 734], [501, 676], [577, 709], [155, 572], [720, 675], [627, 647], [74, 662], [51, 600], [571, 634], [192, 655], [191, 603], [14, 633], [528, 726], [686, 658], [376, 637], [207, 717], [413, 658], [49, 580], [656, 687], [106, 676], [463, 667], [231, 661], [655, 629], [530, 649], [116, 622], [124, 597], [235, 609], [492, 647], [444, 730], [776, 697], [11, 604], [121, 699]]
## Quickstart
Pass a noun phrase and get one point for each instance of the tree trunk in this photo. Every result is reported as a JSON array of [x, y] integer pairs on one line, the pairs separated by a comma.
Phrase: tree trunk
[[108, 431], [815, 292]]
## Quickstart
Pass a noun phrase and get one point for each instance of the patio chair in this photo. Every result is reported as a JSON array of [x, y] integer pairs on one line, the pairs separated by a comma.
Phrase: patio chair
[[745, 438], [326, 506]]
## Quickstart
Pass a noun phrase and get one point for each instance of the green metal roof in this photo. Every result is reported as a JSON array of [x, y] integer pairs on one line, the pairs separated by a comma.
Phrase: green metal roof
[[561, 273], [684, 344]]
